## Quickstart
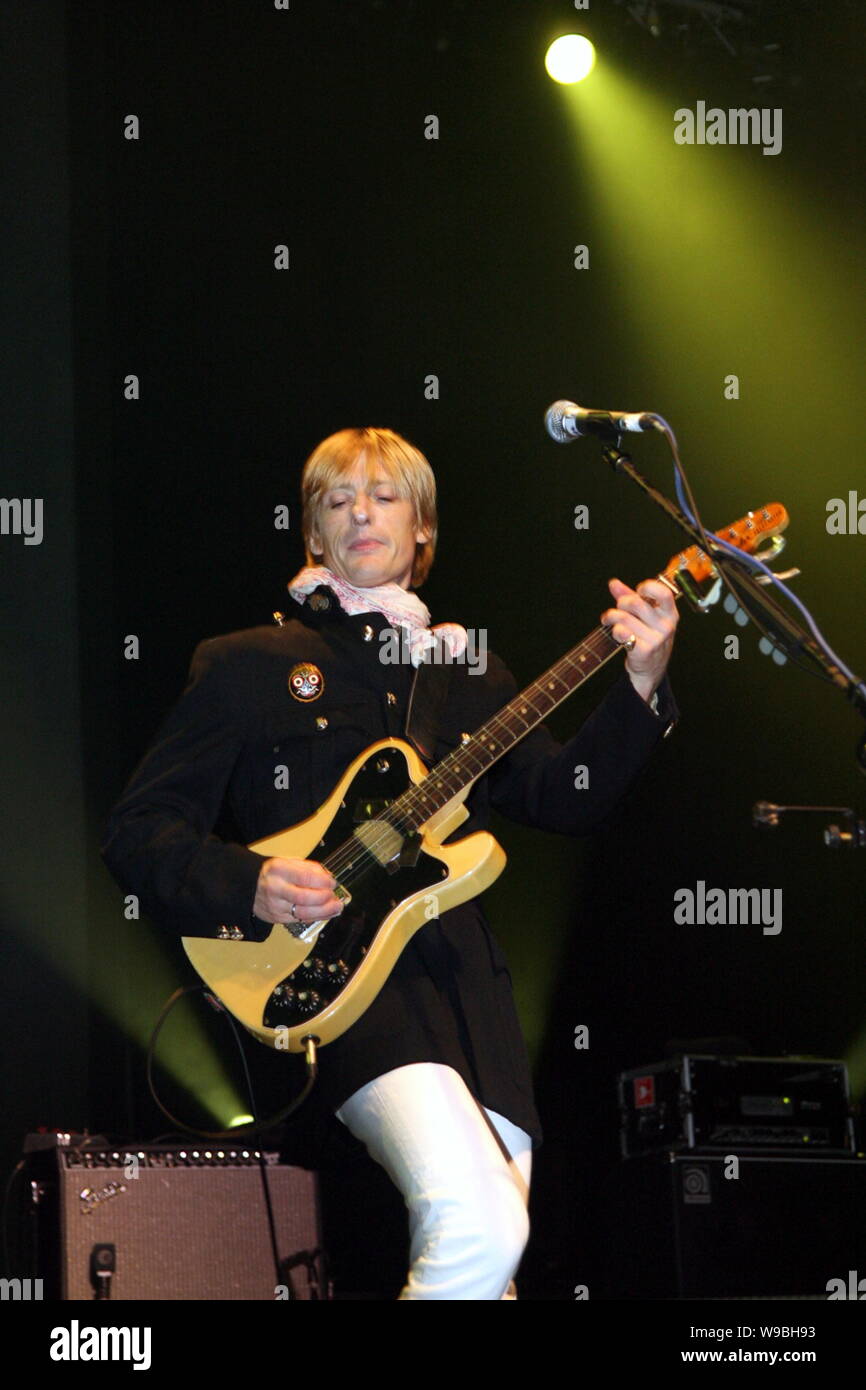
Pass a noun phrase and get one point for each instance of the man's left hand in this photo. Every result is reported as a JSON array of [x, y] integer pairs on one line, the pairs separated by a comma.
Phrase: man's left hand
[[649, 614]]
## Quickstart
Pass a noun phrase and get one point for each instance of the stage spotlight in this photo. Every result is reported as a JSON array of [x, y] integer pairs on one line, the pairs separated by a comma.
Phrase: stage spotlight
[[240, 1120], [570, 58]]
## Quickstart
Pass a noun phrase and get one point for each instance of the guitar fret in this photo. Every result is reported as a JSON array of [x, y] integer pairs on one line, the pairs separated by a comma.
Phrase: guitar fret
[[523, 713], [529, 708], [470, 756]]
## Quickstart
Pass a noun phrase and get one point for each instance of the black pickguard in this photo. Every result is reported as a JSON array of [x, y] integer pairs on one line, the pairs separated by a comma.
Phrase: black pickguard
[[342, 944]]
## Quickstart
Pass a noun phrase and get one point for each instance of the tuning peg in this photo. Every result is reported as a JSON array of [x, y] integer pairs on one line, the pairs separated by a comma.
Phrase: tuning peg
[[774, 549], [771, 579]]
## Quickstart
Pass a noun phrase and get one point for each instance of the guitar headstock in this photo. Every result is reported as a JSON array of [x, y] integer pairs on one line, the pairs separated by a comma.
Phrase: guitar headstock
[[693, 566]]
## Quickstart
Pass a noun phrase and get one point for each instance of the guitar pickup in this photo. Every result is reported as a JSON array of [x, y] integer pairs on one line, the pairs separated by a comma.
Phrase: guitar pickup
[[390, 849]]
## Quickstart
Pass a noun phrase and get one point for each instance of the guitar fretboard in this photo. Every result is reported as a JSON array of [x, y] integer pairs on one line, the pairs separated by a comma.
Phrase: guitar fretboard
[[507, 727], [494, 739]]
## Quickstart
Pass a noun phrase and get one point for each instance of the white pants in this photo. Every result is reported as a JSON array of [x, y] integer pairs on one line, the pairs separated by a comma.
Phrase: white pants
[[463, 1171]]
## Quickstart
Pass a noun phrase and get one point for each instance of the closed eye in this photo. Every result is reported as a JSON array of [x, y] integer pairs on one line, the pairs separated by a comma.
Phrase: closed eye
[[341, 501]]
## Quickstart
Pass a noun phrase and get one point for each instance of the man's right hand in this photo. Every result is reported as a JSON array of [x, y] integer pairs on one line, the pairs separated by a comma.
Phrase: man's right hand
[[295, 890]]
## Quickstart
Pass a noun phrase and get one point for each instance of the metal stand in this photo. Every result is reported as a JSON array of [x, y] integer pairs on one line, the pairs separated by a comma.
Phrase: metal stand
[[785, 631]]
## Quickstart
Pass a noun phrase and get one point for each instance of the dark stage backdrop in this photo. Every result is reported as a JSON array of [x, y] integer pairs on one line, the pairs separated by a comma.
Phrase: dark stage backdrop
[[167, 374]]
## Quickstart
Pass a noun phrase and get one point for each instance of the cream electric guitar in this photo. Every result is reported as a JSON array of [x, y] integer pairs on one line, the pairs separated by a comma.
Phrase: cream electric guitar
[[380, 834]]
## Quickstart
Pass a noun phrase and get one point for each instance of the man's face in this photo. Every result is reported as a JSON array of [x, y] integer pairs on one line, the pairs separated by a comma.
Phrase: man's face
[[367, 534]]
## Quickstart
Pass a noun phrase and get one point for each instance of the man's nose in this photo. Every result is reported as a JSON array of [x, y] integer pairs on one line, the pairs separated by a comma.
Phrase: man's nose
[[360, 508]]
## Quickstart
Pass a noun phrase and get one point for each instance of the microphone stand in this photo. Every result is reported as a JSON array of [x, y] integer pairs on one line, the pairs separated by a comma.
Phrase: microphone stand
[[787, 632]]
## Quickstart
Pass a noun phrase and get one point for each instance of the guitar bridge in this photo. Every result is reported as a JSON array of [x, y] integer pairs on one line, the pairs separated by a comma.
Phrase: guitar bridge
[[309, 931]]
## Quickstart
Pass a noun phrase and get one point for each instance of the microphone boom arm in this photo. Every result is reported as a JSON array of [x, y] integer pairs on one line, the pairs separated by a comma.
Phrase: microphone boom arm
[[790, 634]]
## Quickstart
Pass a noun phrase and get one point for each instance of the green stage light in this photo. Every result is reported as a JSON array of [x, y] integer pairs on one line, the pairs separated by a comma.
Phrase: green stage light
[[129, 982], [717, 294], [240, 1120], [570, 59]]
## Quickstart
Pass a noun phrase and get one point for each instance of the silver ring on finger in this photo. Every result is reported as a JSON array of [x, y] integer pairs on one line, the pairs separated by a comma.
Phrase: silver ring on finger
[[292, 916], [627, 646]]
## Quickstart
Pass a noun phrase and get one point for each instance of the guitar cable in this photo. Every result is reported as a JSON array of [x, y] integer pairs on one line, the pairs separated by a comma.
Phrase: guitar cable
[[240, 1130], [281, 1269]]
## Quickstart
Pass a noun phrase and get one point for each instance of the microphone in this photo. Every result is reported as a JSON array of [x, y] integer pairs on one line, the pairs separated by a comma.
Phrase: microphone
[[565, 421]]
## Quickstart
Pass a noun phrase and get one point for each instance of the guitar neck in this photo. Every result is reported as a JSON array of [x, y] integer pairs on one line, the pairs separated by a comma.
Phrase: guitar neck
[[494, 739], [526, 711]]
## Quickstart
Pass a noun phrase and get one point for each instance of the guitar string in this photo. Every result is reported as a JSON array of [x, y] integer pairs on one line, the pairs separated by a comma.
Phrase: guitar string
[[413, 795], [346, 859], [347, 862], [416, 794]]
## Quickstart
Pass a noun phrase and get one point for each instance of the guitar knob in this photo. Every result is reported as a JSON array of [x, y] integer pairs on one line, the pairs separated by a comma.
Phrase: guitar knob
[[308, 1001]]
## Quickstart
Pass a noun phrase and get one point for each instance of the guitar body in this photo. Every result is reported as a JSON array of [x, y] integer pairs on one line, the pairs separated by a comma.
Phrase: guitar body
[[318, 978]]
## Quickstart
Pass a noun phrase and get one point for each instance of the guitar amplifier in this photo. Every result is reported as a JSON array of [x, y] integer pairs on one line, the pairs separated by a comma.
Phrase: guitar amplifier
[[692, 1101], [173, 1223]]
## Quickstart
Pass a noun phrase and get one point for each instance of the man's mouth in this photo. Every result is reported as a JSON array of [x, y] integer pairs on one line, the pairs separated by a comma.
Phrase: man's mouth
[[364, 545]]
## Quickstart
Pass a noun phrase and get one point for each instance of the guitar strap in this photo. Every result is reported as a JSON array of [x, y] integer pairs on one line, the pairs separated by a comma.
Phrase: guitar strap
[[427, 701]]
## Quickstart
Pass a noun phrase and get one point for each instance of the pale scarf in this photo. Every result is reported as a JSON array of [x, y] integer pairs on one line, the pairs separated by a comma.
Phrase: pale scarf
[[400, 606]]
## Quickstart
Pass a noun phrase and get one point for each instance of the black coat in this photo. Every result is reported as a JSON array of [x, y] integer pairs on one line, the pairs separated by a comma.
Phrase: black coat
[[449, 998]]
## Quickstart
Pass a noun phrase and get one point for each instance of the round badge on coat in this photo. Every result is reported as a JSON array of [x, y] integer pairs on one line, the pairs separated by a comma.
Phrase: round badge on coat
[[306, 681]]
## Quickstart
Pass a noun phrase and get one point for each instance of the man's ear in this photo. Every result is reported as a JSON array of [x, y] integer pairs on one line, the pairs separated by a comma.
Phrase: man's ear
[[422, 535]]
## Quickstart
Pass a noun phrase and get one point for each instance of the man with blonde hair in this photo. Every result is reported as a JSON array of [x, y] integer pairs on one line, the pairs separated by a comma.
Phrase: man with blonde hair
[[434, 1077]]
